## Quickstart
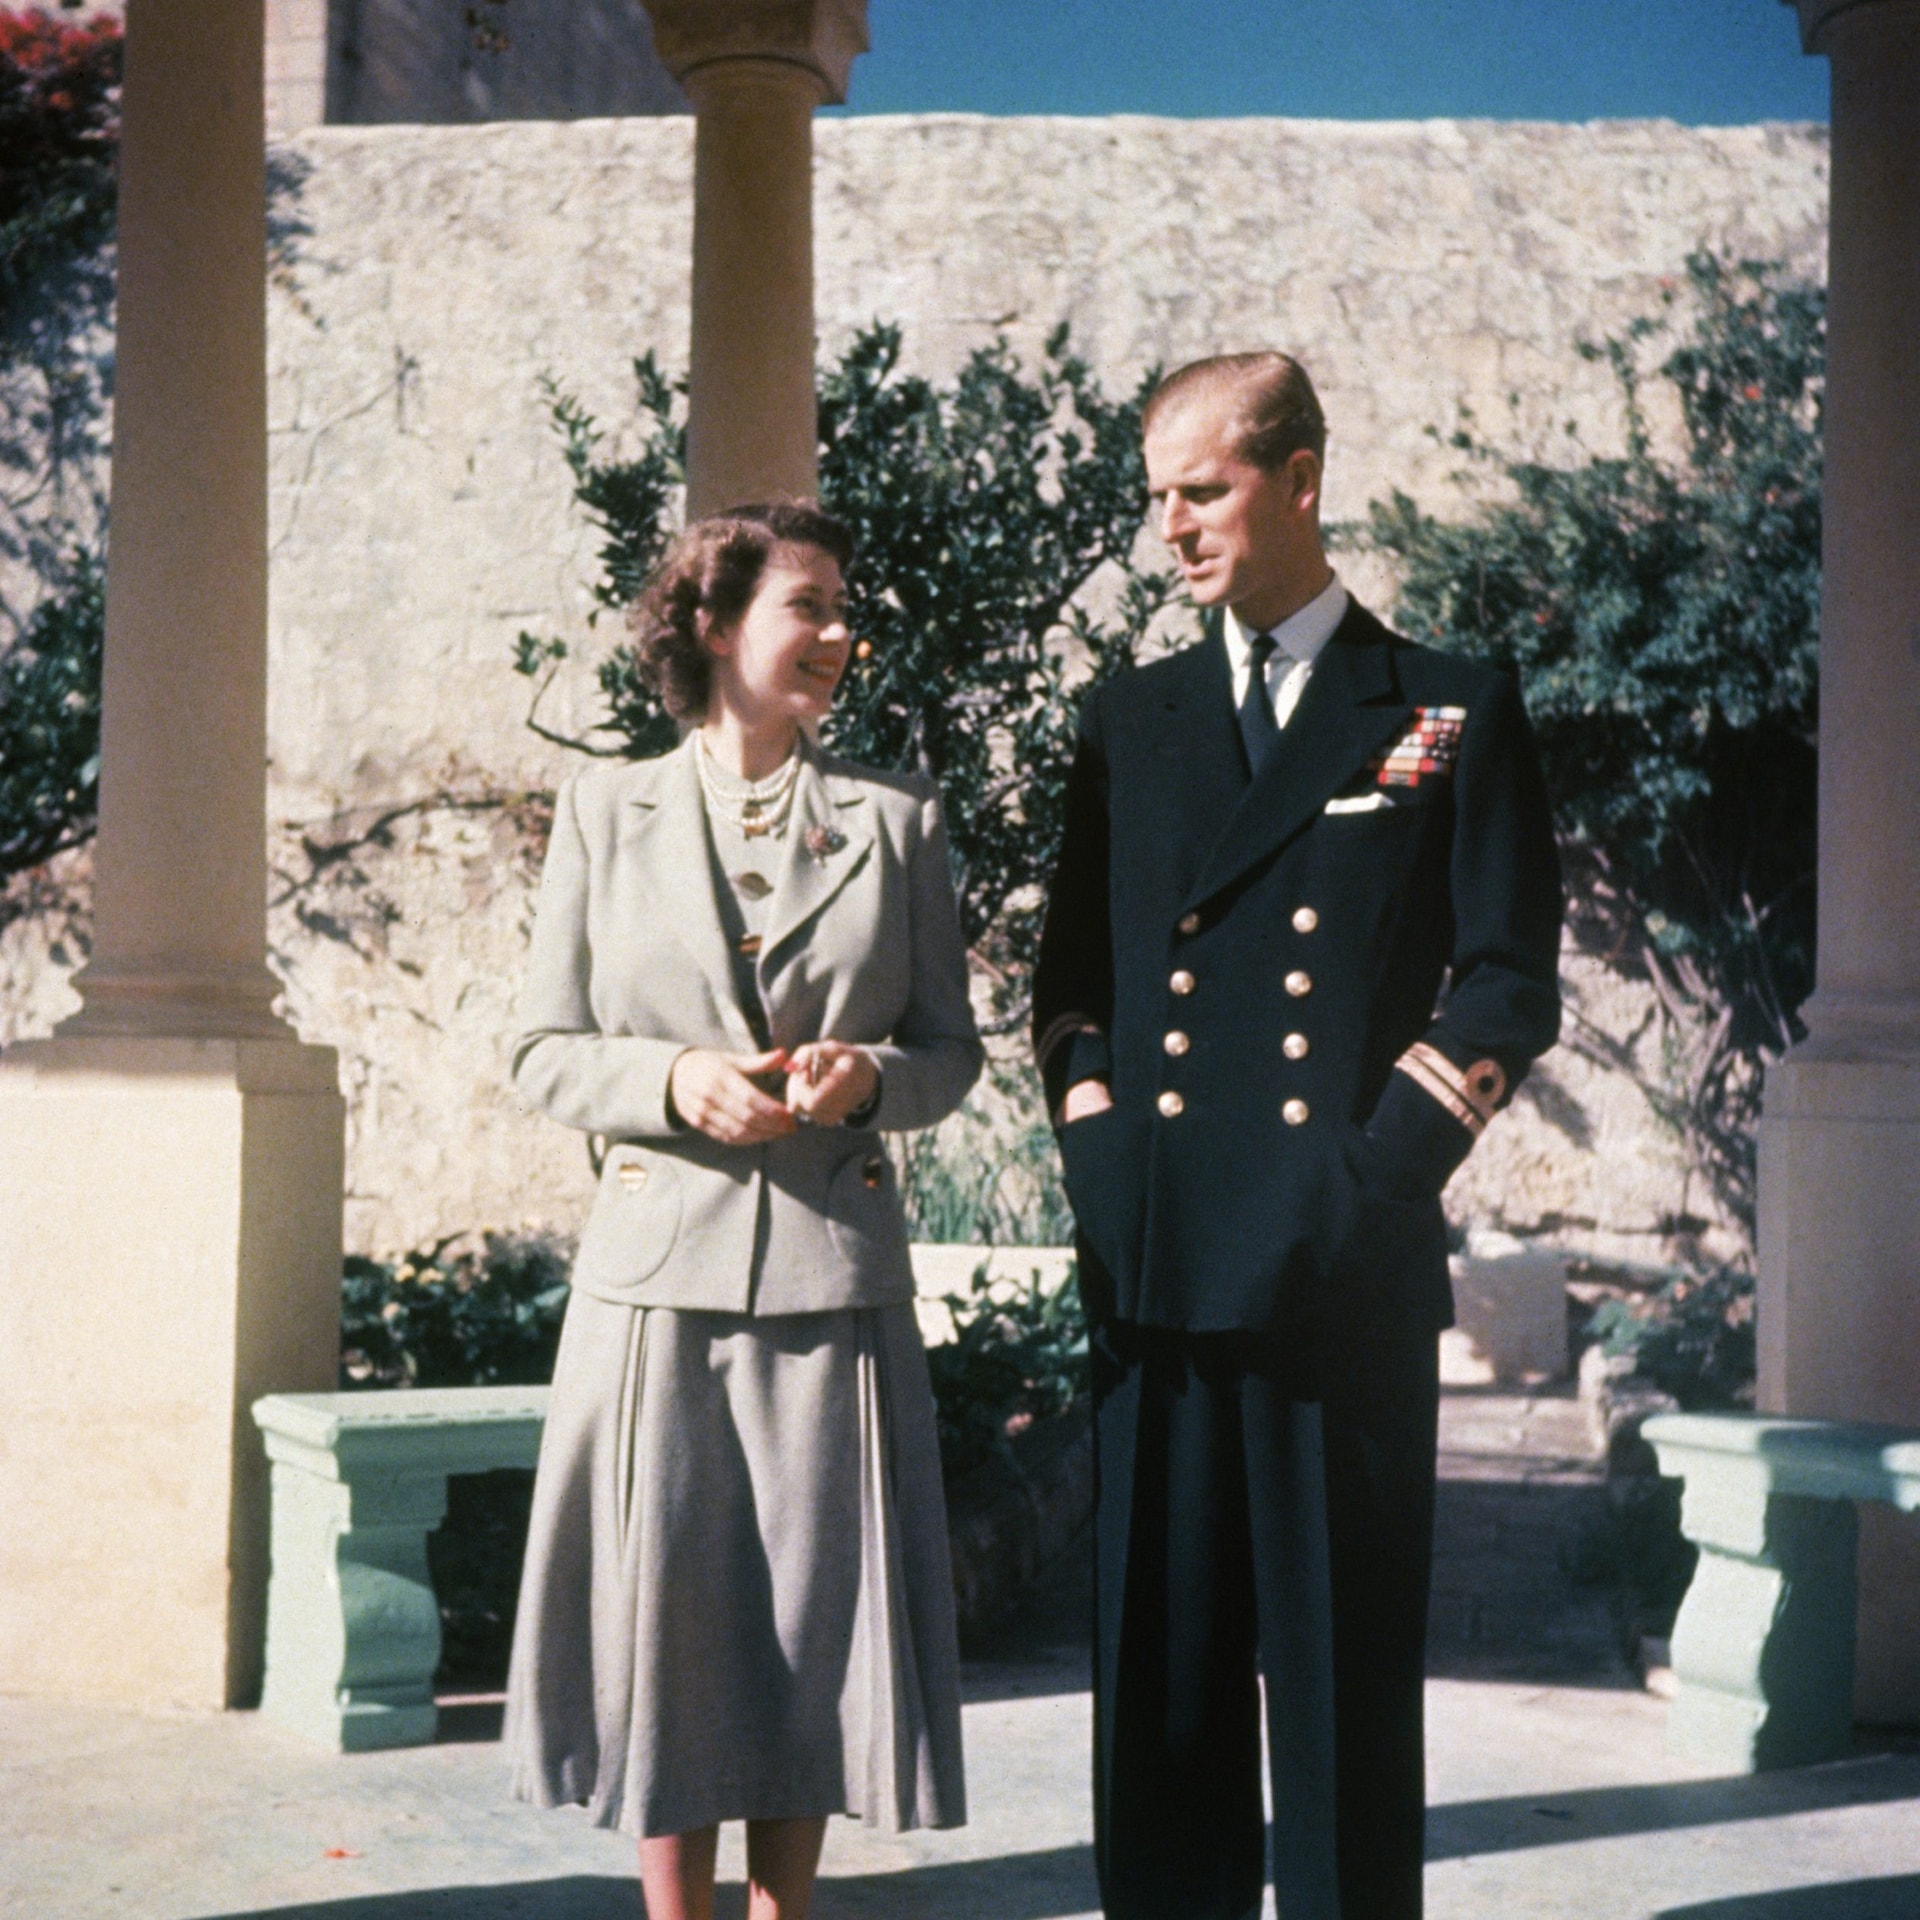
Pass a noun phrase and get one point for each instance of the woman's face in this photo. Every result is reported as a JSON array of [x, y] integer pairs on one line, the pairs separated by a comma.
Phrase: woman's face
[[780, 662]]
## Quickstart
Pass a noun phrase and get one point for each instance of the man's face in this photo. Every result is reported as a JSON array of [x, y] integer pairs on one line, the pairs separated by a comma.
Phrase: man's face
[[1244, 538]]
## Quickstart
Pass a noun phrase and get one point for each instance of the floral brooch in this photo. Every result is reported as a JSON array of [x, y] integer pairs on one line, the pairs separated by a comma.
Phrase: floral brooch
[[824, 842]]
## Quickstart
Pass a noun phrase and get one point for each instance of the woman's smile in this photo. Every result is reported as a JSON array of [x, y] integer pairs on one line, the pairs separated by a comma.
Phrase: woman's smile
[[777, 666]]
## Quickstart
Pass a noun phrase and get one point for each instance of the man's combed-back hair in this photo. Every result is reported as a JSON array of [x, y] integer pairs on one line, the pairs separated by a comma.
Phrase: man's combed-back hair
[[1276, 411], [708, 579]]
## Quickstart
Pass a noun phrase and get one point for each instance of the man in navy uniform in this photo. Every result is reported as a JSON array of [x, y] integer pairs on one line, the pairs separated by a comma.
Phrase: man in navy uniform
[[1301, 945]]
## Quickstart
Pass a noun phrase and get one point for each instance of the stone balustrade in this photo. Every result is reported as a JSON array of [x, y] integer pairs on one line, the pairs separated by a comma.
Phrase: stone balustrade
[[1763, 1650], [359, 1481]]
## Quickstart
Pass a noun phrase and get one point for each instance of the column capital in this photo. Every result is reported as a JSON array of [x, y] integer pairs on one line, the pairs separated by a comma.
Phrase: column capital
[[1817, 15], [822, 36]]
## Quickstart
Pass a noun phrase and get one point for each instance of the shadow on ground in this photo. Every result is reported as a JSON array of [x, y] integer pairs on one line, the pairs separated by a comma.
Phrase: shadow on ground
[[1024, 1886], [576, 1897], [1895, 1899], [1550, 1820], [1044, 1646], [469, 1723]]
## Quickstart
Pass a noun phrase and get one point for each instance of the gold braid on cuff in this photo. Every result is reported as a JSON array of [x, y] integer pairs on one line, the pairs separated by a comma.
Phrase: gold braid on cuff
[[1472, 1097], [1058, 1033]]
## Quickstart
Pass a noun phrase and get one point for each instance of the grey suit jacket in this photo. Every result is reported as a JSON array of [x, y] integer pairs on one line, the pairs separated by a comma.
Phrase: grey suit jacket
[[629, 967]]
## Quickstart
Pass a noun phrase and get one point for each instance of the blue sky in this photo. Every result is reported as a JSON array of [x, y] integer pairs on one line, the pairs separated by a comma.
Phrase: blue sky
[[1706, 62]]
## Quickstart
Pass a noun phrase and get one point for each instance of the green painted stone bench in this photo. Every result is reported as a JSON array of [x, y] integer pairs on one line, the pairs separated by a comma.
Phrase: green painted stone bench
[[1763, 1647], [359, 1481]]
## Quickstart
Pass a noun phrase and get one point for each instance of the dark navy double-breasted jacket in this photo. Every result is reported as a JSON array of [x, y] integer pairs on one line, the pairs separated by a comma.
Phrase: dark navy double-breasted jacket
[[1248, 963]]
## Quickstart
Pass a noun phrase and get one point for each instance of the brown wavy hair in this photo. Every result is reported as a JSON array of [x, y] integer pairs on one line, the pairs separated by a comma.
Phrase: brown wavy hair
[[713, 570]]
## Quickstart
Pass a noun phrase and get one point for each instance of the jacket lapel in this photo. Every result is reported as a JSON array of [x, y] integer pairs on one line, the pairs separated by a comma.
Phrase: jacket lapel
[[827, 842], [681, 882], [1201, 770], [1352, 707]]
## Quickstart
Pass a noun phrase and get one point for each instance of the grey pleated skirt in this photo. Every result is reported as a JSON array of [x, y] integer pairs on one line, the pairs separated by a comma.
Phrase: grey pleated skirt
[[737, 1601]]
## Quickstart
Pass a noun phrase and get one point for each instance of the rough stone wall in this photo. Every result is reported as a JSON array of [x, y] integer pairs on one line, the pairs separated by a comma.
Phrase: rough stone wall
[[421, 519]]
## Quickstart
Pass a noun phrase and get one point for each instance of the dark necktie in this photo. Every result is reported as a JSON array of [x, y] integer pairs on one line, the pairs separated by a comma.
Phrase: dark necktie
[[1257, 727]]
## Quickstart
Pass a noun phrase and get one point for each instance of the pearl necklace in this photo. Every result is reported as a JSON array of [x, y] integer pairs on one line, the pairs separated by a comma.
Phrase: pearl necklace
[[758, 808]]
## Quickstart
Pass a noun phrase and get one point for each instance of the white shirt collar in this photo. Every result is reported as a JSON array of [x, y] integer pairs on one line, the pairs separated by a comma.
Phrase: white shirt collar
[[1299, 637]]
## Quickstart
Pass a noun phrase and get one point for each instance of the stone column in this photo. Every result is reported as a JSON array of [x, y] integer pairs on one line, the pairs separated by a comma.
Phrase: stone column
[[755, 71], [1839, 1320], [170, 1162]]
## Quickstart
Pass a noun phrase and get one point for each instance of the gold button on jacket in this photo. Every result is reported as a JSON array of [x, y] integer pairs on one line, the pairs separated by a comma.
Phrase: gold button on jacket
[[1171, 1104], [1176, 1043], [1189, 923], [1357, 898]]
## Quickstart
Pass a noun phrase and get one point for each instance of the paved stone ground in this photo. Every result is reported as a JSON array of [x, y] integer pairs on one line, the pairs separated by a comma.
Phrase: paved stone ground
[[1552, 1796], [1520, 1493]]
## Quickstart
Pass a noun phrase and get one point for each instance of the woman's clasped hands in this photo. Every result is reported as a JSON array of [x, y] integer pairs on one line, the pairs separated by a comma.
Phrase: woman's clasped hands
[[726, 1096]]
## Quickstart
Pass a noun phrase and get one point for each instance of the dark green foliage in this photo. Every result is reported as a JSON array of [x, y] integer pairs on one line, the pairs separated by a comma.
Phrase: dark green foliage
[[980, 516], [1663, 618], [461, 1313], [1694, 1338], [983, 512], [486, 1310], [630, 501], [1017, 1356], [59, 126], [50, 722], [59, 123], [983, 1189]]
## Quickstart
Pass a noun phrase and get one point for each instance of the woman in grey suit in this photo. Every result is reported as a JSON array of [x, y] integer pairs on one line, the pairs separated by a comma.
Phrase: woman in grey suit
[[746, 963]]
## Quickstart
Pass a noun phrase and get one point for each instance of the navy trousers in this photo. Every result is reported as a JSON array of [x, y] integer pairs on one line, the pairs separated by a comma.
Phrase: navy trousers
[[1246, 1532]]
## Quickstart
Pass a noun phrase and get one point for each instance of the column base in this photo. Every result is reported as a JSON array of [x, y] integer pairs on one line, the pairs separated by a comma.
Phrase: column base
[[1839, 1294], [169, 1251]]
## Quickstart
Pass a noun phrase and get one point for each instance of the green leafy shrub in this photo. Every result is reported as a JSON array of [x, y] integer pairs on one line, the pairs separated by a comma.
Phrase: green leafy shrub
[[486, 1310], [1693, 1337], [50, 721], [970, 1183], [1663, 616], [59, 127], [1018, 1355], [469, 1311]]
